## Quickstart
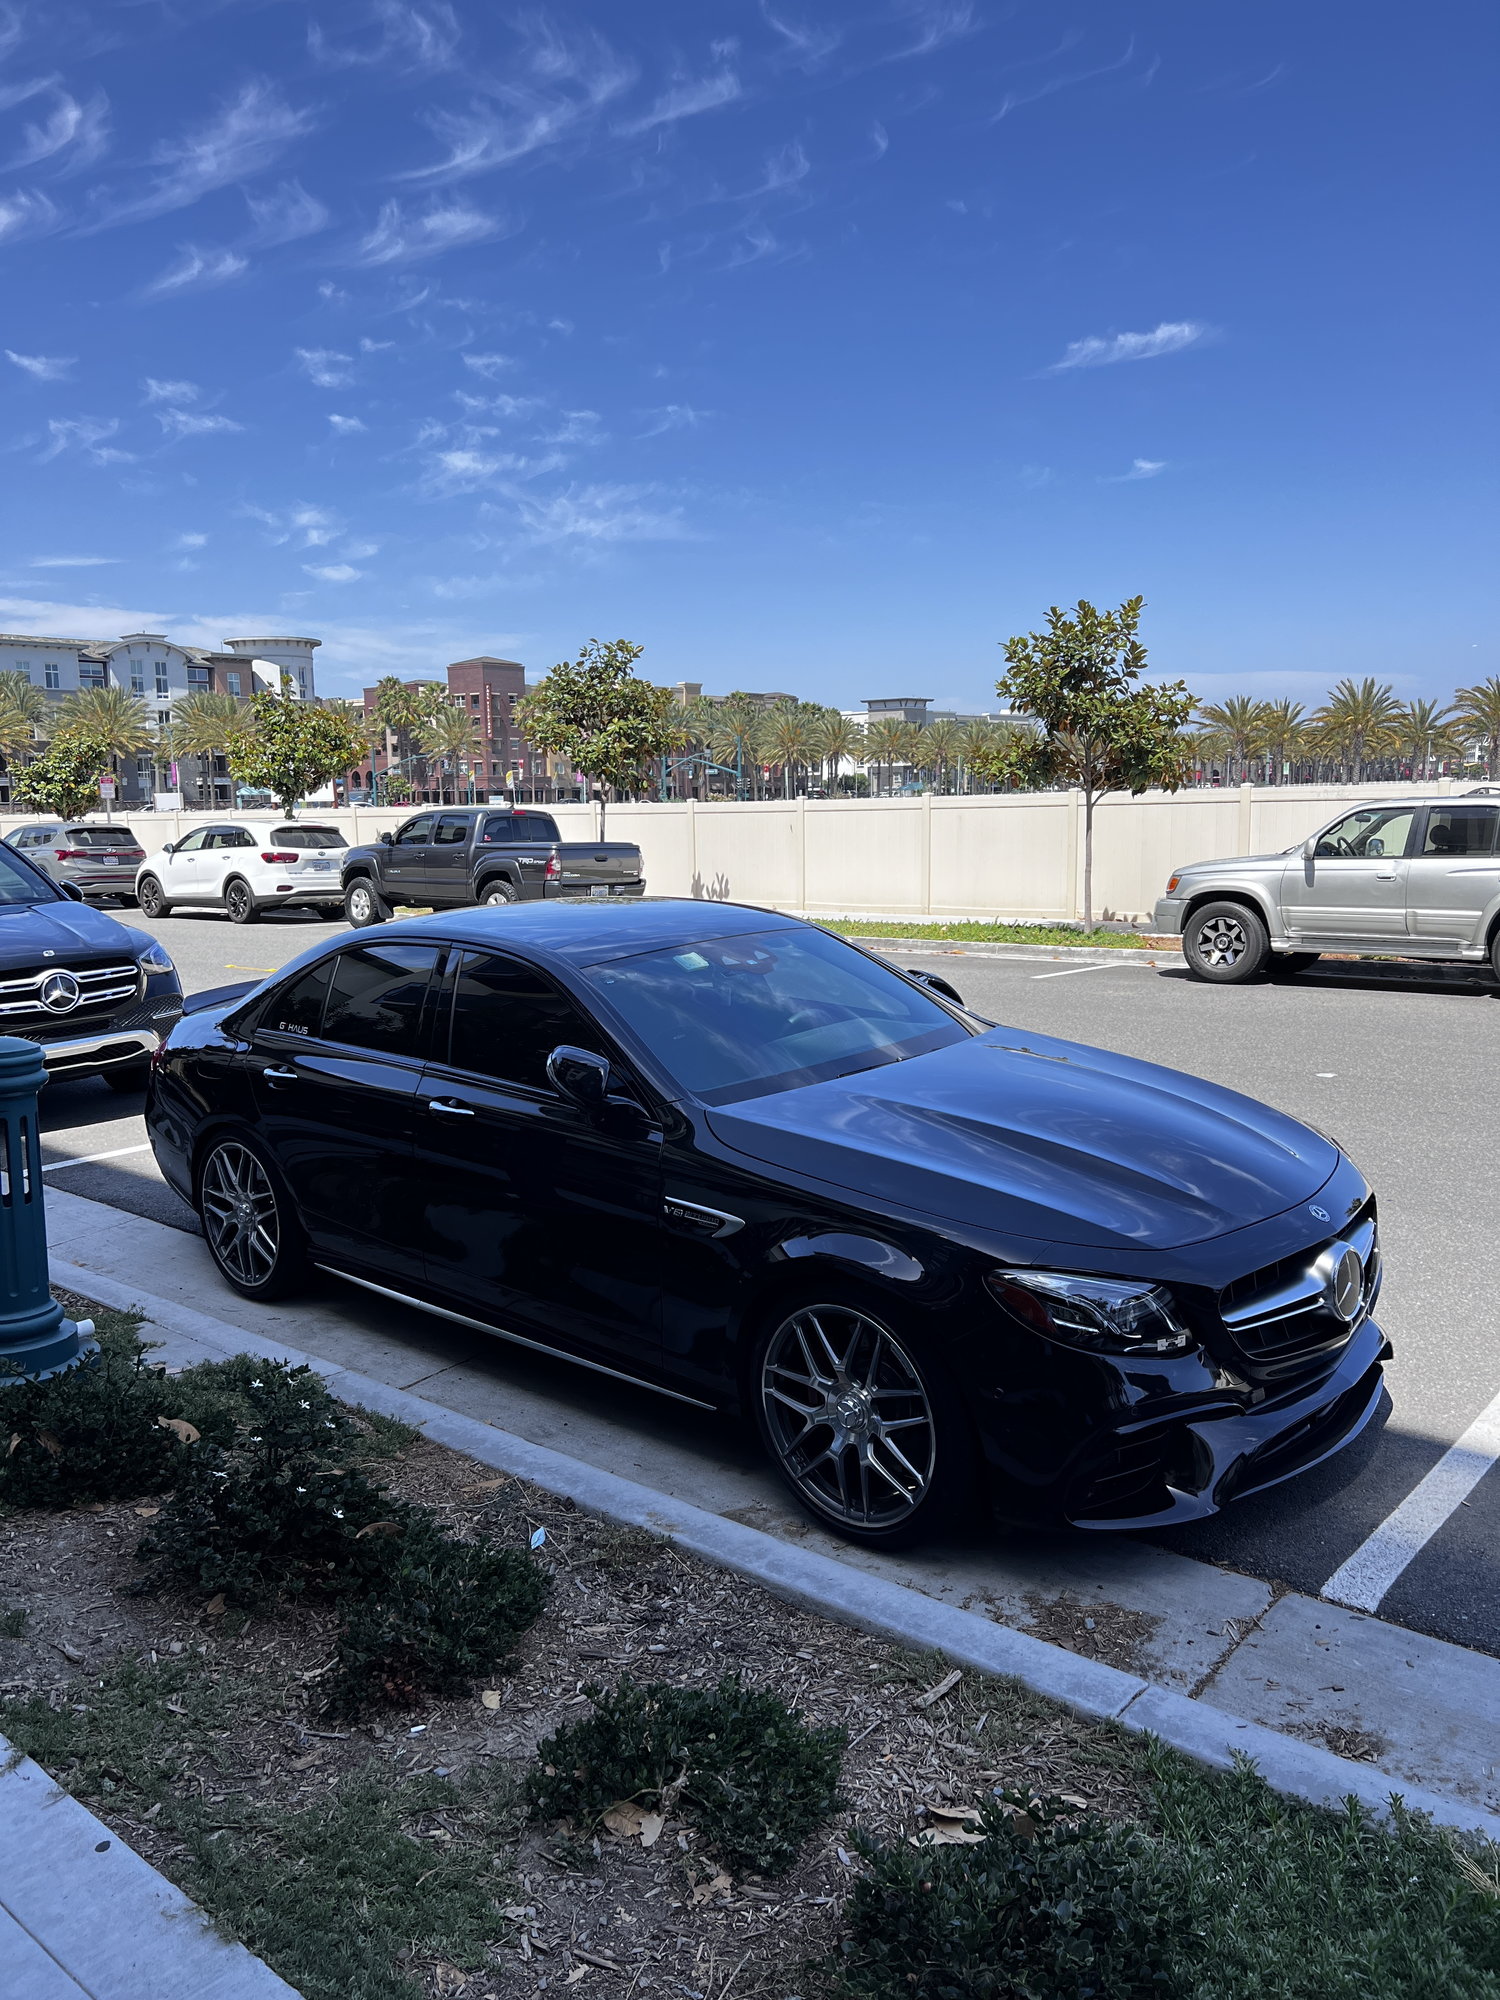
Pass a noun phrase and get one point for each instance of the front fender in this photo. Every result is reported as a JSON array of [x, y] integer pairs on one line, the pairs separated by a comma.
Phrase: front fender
[[1261, 895]]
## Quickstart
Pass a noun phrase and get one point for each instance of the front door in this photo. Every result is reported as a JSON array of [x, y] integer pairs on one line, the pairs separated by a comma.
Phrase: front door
[[532, 1214], [404, 867], [178, 872], [335, 1061], [448, 860], [1454, 875], [1353, 887]]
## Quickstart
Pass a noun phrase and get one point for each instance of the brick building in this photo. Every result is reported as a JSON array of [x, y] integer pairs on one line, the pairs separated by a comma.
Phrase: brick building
[[504, 763]]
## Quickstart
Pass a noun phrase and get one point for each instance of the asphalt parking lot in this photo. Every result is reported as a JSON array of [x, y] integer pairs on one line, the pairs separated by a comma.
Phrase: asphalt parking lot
[[1395, 1062]]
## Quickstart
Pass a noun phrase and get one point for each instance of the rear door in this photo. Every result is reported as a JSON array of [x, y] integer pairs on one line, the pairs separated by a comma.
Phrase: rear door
[[1453, 877], [334, 1063], [531, 1214], [227, 850], [1353, 888], [448, 859]]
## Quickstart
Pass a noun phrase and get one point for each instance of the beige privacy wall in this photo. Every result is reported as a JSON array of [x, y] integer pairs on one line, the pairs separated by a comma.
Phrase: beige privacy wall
[[1016, 856]]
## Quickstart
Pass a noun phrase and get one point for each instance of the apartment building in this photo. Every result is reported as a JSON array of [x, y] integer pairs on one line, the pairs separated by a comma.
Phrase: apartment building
[[503, 764]]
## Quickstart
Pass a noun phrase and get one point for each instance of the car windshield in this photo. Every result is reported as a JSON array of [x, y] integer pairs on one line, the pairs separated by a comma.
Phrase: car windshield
[[307, 836], [101, 836], [20, 884], [744, 1016]]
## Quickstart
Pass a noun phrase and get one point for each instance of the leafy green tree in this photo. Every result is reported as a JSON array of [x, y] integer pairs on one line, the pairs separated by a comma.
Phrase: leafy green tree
[[64, 780], [1480, 707], [1356, 723], [1100, 727], [295, 746], [596, 711]]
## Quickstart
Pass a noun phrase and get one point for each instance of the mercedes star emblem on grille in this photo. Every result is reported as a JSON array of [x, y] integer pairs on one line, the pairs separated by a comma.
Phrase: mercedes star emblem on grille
[[1346, 1282], [60, 992]]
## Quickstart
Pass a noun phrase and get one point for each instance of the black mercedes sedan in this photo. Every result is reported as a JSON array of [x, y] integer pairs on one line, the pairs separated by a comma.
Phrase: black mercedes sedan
[[726, 1155]]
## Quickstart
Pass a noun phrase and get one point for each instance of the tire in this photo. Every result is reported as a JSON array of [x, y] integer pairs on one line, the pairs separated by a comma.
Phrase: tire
[[126, 902], [249, 1220], [152, 898], [1287, 964], [495, 893], [812, 1372], [239, 902], [129, 1076], [363, 905], [1225, 943], [1495, 954], [331, 913]]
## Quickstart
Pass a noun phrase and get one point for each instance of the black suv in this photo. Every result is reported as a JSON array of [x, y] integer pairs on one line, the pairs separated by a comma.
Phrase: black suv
[[98, 998]]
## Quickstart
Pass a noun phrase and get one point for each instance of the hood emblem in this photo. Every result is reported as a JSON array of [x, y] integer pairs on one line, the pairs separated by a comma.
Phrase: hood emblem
[[1319, 1214], [60, 992]]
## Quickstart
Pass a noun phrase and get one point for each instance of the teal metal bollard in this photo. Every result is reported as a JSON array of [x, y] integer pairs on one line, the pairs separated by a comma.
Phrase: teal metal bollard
[[36, 1339]]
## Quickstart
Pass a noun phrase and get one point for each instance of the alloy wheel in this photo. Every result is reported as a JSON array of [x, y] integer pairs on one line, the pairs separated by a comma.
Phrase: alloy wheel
[[1222, 941], [849, 1417], [240, 1216]]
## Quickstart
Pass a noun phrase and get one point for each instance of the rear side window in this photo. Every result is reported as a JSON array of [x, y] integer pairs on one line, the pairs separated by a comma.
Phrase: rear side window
[[501, 826], [1466, 831], [298, 1008], [508, 1018], [536, 826], [307, 836], [375, 998]]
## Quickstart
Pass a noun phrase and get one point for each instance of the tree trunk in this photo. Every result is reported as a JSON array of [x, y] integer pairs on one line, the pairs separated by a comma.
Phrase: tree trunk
[[1088, 861], [603, 802]]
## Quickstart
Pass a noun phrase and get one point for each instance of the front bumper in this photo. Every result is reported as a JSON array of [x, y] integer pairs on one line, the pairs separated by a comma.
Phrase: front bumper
[[1187, 1466], [133, 1036], [1166, 920]]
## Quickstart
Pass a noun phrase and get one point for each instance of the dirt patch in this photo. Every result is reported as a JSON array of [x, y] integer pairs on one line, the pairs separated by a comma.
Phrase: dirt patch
[[1097, 1630], [1366, 1746]]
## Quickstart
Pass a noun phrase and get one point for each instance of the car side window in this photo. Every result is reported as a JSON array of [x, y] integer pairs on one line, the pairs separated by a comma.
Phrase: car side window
[[500, 827], [236, 836], [451, 829], [298, 1008], [192, 842], [508, 1018], [416, 832], [1467, 831], [375, 997], [1374, 833]]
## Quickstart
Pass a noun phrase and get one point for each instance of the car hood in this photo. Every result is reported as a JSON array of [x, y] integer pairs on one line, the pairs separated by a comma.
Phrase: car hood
[[1042, 1138], [27, 930]]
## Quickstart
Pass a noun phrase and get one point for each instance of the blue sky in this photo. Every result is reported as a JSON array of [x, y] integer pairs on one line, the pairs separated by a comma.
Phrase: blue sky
[[813, 346]]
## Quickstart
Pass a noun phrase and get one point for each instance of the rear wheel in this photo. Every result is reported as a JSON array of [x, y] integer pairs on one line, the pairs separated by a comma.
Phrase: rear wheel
[[1225, 943], [1495, 953], [1287, 964], [248, 1221], [870, 1439], [362, 906], [494, 893], [239, 901], [152, 898]]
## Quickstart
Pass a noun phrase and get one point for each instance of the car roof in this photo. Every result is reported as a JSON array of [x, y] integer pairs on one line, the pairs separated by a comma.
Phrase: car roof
[[584, 932]]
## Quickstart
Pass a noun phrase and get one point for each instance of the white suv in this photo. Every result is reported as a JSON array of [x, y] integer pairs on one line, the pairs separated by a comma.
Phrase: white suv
[[245, 870]]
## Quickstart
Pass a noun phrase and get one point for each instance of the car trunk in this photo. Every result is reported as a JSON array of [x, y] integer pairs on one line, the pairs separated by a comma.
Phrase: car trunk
[[589, 865]]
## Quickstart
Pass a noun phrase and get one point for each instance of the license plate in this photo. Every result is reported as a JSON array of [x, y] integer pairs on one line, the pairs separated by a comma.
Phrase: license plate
[[317, 864], [599, 889], [109, 860]]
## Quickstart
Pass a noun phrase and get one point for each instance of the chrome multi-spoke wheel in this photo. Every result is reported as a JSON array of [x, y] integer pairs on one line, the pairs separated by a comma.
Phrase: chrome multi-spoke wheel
[[848, 1415], [1222, 942], [241, 1216]]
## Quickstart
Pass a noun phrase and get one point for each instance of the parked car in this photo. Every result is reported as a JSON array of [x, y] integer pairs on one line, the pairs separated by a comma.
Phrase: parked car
[[475, 854], [98, 860], [726, 1155], [97, 997], [246, 870], [1409, 878]]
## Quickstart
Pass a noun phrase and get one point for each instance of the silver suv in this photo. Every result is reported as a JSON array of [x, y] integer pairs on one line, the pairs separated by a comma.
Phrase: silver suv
[[99, 860], [1414, 878]]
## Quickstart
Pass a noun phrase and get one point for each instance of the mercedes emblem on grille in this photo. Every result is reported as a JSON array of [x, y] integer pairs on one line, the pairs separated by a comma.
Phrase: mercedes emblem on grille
[[1346, 1281], [60, 992]]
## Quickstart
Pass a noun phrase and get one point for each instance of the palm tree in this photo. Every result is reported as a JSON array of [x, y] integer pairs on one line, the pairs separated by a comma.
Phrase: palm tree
[[1480, 707], [789, 743], [1356, 721], [940, 745], [24, 712], [448, 735], [888, 741], [1423, 732], [976, 741], [403, 710], [1238, 726], [736, 736], [1282, 733], [206, 725], [837, 739], [112, 718]]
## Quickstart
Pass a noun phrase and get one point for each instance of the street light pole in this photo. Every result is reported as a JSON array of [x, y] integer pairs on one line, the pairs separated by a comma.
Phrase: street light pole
[[36, 1338]]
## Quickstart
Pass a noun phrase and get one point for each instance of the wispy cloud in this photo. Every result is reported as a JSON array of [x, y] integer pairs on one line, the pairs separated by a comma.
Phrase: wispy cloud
[[285, 215], [191, 542], [309, 527], [934, 24], [197, 269], [72, 562], [79, 130], [25, 212], [673, 417], [602, 514], [785, 168], [686, 100], [334, 572], [325, 368], [1101, 350], [400, 237], [802, 43], [170, 392], [1033, 93], [410, 39], [344, 426], [488, 365], [1140, 468], [185, 423], [244, 137], [42, 367], [86, 435], [578, 427]]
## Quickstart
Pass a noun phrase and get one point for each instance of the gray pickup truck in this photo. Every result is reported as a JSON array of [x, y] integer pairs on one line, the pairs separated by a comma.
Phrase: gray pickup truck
[[482, 854]]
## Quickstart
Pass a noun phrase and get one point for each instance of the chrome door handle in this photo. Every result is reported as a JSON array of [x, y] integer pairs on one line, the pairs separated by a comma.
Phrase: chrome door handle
[[280, 1076], [448, 1110], [1385, 874]]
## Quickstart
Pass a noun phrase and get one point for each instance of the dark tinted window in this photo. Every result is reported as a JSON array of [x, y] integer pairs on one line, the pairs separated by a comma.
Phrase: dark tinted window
[[298, 1008], [536, 826], [508, 1018], [307, 836], [416, 832], [101, 836], [375, 1000], [1463, 830], [500, 826], [20, 884], [451, 829]]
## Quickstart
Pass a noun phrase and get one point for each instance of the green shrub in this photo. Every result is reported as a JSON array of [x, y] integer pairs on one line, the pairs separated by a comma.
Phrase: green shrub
[[1064, 1912], [754, 1779], [97, 1432]]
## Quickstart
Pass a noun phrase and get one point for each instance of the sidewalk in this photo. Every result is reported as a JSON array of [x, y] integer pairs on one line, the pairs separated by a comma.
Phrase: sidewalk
[[1262, 1676]]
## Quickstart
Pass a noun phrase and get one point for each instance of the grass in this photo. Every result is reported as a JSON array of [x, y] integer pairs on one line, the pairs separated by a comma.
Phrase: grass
[[1049, 935]]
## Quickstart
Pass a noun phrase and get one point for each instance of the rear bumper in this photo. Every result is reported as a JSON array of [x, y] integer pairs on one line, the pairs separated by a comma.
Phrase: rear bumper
[[584, 891], [324, 892]]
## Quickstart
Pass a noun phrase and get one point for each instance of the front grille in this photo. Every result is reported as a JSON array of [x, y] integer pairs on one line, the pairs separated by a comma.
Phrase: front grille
[[100, 986], [1284, 1311]]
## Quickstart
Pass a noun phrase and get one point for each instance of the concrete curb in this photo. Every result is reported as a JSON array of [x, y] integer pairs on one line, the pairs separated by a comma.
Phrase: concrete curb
[[821, 1583]]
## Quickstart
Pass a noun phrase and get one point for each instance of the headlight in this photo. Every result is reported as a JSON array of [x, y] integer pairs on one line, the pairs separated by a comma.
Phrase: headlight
[[1107, 1315], [155, 958]]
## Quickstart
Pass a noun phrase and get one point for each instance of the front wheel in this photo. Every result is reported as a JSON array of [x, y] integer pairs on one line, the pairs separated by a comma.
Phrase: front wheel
[[152, 898], [240, 902], [248, 1222], [1225, 943], [362, 906], [870, 1439]]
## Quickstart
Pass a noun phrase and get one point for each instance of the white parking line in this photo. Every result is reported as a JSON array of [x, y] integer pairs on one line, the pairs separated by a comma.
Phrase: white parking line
[[1364, 1579], [88, 1159], [1109, 965]]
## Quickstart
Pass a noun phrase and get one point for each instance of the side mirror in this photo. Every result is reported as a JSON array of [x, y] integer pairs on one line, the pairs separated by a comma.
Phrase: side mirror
[[72, 891], [170, 847], [935, 985], [1310, 847], [581, 1077], [388, 840]]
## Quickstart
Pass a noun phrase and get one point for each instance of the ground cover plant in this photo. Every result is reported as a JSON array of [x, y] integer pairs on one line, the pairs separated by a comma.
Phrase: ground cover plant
[[960, 931]]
